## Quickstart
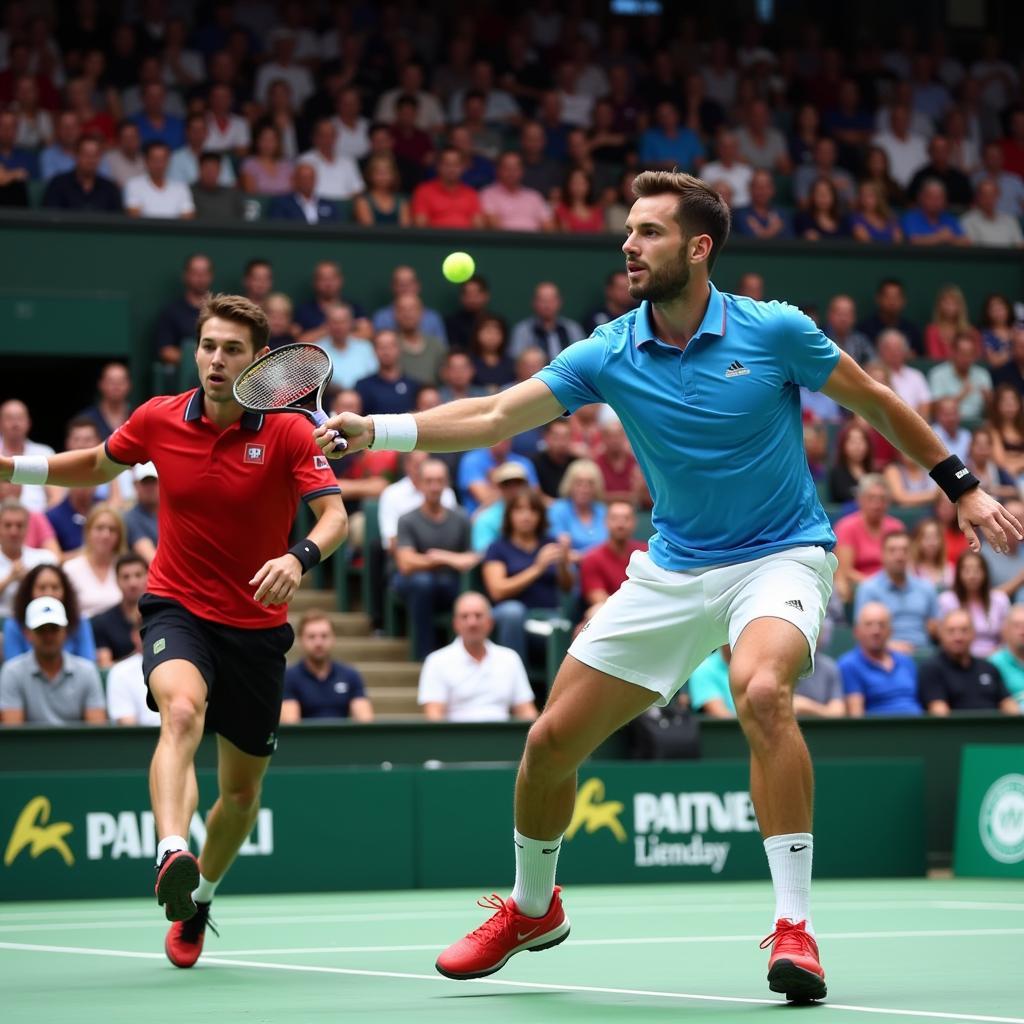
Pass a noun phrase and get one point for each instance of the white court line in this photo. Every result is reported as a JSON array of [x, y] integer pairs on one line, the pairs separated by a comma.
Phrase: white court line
[[532, 985]]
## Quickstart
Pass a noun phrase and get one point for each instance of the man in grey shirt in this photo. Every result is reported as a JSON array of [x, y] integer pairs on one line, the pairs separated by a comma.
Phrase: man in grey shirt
[[821, 693], [48, 685], [432, 548]]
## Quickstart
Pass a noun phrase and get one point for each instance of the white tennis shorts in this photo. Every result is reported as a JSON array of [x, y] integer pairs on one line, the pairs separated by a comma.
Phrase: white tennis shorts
[[660, 625]]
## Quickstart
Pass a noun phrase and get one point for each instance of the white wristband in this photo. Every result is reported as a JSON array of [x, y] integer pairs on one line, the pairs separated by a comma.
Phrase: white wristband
[[394, 433], [30, 469]]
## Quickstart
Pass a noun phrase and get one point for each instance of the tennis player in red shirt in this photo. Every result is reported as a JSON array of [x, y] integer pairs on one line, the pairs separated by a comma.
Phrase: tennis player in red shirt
[[214, 618]]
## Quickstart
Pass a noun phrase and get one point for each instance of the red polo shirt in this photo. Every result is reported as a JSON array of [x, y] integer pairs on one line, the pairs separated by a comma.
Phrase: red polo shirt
[[443, 208], [227, 500], [603, 569]]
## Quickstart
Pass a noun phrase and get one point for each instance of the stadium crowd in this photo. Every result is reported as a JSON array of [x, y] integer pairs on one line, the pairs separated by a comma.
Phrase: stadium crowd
[[408, 115]]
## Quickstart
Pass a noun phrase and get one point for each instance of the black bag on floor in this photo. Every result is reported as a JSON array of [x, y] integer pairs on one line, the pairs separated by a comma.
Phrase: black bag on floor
[[665, 734]]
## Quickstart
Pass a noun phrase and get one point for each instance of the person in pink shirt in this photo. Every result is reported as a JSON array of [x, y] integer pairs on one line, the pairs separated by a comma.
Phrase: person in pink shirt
[[972, 592], [508, 205], [859, 535]]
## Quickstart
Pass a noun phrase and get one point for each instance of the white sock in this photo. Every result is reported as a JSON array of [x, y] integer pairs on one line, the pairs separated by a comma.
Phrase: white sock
[[536, 860], [789, 858], [169, 843], [204, 894]]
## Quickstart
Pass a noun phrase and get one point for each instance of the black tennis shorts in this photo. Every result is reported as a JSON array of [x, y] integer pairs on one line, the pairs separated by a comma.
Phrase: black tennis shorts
[[243, 669]]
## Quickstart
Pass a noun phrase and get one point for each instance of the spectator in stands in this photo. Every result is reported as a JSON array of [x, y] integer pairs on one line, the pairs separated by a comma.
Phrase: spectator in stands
[[1012, 372], [930, 223], [46, 685], [474, 300], [1009, 659], [510, 206], [112, 407], [404, 495], [283, 329], [112, 629], [154, 122], [35, 125], [669, 144], [15, 424], [126, 690], [17, 166], [840, 327], [226, 131], [890, 302], [824, 167], [958, 678], [429, 116], [877, 680], [140, 521], [266, 171], [904, 148], [94, 121], [212, 200], [353, 129], [388, 390], [337, 177], [125, 161], [872, 220], [432, 548], [617, 301], [304, 202], [17, 558], [580, 512], [541, 172], [963, 379], [47, 581], [381, 203], [928, 554], [859, 535], [823, 218], [405, 281], [351, 357], [493, 369], [912, 601], [804, 135], [909, 484], [876, 172], [577, 212], [184, 165], [820, 695], [83, 188], [972, 592], [603, 568], [526, 570], [761, 145], [476, 474], [619, 471], [547, 328], [510, 479], [258, 280], [413, 148], [152, 194], [499, 108], [940, 168], [761, 219], [949, 320], [39, 533], [553, 458], [473, 679], [176, 325], [318, 686], [728, 167], [328, 283], [445, 201], [708, 687], [1013, 142], [985, 225], [853, 462], [59, 156], [1009, 187], [947, 426], [980, 462], [1006, 570], [996, 330], [1006, 420], [68, 516], [456, 375], [909, 383], [283, 66], [92, 571], [421, 354]]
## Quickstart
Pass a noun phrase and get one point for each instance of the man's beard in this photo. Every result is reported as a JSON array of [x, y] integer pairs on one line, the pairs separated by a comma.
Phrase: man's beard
[[666, 284]]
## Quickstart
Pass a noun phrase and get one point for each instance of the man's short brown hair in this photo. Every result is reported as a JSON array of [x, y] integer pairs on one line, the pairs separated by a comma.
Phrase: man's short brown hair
[[238, 309], [309, 618], [701, 210]]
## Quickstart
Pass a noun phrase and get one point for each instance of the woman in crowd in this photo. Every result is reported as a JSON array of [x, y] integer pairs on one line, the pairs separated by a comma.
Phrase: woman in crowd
[[48, 581], [823, 218], [928, 559], [876, 170], [996, 329], [981, 462], [972, 592], [580, 511], [909, 485], [381, 203], [949, 318], [853, 460], [92, 572], [487, 346], [806, 132], [577, 212], [524, 571], [873, 221], [1006, 420], [265, 172]]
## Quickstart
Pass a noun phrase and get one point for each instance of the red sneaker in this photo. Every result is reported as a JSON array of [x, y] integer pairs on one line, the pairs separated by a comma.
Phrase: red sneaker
[[793, 966], [184, 940], [501, 936], [176, 880]]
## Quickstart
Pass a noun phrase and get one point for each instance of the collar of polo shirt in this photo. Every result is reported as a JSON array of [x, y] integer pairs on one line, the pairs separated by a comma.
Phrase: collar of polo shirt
[[251, 421], [644, 332]]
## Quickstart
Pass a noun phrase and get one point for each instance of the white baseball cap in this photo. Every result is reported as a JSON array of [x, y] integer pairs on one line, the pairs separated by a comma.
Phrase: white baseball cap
[[145, 471], [45, 611]]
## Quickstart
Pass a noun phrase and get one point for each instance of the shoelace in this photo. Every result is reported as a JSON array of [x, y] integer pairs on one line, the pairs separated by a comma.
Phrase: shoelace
[[787, 930], [498, 921], [194, 926]]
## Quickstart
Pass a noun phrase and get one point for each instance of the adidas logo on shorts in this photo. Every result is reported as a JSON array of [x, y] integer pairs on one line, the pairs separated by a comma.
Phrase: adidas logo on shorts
[[795, 604], [736, 369]]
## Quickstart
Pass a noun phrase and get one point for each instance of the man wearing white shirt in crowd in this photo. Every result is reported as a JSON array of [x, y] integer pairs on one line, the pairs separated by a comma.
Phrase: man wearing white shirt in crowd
[[948, 428], [728, 167], [226, 132], [353, 130], [283, 66], [429, 115], [472, 679], [15, 558], [907, 151], [352, 357], [337, 177], [983, 224], [152, 194], [1010, 186], [910, 384], [126, 691], [404, 495], [184, 166], [15, 424]]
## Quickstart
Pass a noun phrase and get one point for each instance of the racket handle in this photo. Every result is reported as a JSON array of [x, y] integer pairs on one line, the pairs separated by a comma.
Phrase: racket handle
[[340, 444], [320, 418]]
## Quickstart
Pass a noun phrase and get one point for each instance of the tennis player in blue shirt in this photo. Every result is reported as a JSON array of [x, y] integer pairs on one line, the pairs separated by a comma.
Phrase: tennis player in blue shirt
[[707, 387]]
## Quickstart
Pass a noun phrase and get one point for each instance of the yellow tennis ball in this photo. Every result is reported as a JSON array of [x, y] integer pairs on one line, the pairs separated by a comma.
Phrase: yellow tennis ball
[[458, 267]]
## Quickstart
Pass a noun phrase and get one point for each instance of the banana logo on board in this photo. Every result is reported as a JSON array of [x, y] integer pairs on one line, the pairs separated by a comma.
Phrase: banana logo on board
[[593, 812], [33, 831]]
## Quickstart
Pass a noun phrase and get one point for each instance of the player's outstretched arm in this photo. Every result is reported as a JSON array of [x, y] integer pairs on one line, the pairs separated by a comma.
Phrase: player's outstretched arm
[[88, 467], [852, 388], [456, 426]]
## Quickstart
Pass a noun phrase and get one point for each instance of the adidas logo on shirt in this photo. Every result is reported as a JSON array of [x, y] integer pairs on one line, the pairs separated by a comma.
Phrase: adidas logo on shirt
[[736, 369]]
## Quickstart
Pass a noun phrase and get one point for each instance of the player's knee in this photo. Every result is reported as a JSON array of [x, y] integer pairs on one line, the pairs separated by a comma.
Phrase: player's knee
[[242, 798], [762, 697], [182, 718], [549, 749]]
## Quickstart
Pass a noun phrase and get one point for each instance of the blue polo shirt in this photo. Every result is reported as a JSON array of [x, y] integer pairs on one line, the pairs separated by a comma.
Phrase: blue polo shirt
[[716, 427], [916, 223], [477, 464], [323, 698], [910, 606], [884, 693]]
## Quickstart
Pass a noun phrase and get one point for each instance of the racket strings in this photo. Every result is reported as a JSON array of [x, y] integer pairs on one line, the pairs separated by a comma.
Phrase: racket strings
[[283, 377]]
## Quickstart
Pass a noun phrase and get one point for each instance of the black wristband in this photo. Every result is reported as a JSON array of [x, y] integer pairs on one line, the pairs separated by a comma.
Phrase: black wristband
[[307, 553], [954, 477]]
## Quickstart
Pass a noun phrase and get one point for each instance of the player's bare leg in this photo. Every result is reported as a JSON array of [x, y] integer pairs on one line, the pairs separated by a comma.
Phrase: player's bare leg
[[766, 661]]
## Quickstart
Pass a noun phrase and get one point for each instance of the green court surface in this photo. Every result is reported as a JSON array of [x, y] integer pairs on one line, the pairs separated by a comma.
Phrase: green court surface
[[924, 949]]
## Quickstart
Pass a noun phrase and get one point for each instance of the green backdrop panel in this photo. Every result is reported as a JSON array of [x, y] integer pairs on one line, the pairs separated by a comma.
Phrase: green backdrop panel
[[990, 813]]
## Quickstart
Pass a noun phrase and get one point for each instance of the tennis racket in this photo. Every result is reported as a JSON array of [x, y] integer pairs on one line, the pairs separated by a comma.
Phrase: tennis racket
[[290, 379]]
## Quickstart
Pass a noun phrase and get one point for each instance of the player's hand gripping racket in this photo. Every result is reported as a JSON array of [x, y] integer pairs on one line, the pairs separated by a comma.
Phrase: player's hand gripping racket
[[289, 379]]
